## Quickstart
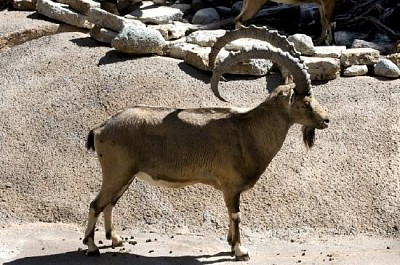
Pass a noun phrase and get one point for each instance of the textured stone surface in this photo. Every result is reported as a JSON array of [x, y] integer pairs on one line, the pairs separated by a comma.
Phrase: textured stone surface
[[107, 20], [205, 16], [172, 31], [205, 38], [158, 14], [386, 68], [138, 40], [355, 70], [302, 43], [62, 13], [329, 51], [322, 68], [102, 35], [353, 56]]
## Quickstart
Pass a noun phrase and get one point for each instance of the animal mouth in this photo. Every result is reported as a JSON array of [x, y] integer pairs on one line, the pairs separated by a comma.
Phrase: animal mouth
[[324, 124]]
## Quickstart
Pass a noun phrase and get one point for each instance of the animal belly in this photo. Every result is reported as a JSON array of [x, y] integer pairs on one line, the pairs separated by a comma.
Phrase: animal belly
[[159, 182]]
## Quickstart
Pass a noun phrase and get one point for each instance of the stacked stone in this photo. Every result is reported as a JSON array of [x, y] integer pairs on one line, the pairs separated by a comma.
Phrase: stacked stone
[[154, 29], [72, 12]]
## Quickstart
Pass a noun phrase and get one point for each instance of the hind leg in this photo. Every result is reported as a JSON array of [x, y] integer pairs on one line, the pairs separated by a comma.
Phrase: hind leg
[[111, 190], [108, 220]]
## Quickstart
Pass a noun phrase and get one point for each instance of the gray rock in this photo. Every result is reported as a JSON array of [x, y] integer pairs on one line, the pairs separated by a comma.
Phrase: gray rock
[[102, 35], [355, 70], [386, 68], [302, 43], [358, 56], [82, 6], [158, 14], [366, 44], [237, 7], [61, 12], [329, 51], [139, 40], [205, 16], [107, 20], [346, 38], [205, 38], [184, 8], [322, 68]]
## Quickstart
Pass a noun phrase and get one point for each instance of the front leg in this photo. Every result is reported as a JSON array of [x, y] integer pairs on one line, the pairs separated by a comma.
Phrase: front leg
[[232, 202]]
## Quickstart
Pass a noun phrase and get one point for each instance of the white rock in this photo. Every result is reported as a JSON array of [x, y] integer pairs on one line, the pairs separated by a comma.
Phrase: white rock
[[355, 70], [157, 14], [110, 21], [302, 43], [246, 44], [354, 56], [179, 48], [102, 35], [139, 40], [205, 16], [386, 68], [173, 31], [395, 58], [82, 6], [198, 57], [322, 68], [205, 38], [329, 51], [61, 12]]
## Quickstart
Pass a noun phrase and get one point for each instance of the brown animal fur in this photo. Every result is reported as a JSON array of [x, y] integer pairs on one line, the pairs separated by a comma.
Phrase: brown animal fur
[[226, 148]]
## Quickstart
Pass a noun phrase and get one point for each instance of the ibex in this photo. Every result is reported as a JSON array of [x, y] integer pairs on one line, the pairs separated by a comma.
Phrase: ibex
[[227, 148], [326, 9]]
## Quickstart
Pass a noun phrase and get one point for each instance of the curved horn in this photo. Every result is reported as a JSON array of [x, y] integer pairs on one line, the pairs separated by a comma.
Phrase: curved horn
[[259, 33], [294, 65]]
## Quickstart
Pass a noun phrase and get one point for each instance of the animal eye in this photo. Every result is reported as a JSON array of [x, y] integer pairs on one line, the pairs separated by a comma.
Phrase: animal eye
[[307, 106]]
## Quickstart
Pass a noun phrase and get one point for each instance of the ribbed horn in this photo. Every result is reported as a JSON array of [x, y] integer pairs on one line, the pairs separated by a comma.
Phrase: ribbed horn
[[285, 59], [259, 33]]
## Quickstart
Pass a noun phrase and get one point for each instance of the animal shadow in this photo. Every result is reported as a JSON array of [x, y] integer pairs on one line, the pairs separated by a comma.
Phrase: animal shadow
[[115, 258]]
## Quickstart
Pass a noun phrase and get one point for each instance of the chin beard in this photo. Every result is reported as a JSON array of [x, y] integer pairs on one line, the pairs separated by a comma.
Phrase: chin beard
[[308, 136]]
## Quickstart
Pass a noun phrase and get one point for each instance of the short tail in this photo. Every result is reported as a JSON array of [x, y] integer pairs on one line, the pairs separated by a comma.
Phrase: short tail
[[90, 141]]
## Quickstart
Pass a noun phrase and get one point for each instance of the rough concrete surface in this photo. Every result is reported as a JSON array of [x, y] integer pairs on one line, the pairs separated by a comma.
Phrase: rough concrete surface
[[341, 199]]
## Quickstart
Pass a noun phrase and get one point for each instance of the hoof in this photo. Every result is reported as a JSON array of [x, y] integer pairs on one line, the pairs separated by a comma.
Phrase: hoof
[[93, 253], [243, 258], [117, 244]]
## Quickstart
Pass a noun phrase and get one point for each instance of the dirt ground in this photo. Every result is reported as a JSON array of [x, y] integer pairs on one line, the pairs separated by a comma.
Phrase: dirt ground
[[337, 203]]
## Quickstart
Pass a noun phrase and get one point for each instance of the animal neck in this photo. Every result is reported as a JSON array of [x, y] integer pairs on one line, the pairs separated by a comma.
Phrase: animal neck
[[268, 127]]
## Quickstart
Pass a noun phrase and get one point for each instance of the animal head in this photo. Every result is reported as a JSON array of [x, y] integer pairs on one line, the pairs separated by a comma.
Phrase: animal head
[[295, 98]]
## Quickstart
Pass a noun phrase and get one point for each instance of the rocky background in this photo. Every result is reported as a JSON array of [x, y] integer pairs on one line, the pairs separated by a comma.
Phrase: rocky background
[[58, 81]]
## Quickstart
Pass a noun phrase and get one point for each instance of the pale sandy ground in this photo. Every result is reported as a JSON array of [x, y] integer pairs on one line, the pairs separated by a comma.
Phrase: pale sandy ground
[[40, 243], [339, 203]]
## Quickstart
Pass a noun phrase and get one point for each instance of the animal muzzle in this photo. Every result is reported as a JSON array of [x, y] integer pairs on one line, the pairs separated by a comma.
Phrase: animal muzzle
[[324, 124]]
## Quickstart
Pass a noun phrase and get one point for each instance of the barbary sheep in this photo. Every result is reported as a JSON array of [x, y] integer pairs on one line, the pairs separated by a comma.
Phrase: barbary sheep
[[227, 148]]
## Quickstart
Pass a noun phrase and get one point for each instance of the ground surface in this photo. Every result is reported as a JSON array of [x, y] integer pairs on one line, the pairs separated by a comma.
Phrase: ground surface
[[341, 199]]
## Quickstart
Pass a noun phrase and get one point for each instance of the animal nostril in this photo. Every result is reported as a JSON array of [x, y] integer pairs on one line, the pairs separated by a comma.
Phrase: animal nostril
[[326, 121]]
